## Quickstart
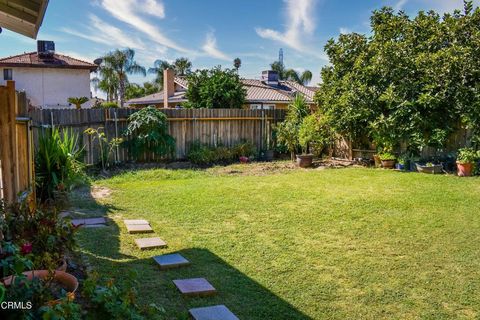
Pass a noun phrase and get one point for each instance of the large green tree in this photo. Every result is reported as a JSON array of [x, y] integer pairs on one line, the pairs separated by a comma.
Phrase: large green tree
[[215, 88], [414, 80], [117, 65], [182, 66]]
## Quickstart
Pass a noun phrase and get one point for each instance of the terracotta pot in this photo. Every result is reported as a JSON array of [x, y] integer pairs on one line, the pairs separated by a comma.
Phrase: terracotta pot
[[304, 160], [378, 162], [388, 164], [464, 169], [66, 280]]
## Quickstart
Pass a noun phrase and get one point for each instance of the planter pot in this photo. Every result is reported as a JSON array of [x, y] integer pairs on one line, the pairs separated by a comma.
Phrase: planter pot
[[388, 164], [465, 169], [67, 281], [269, 155], [435, 169], [400, 166], [243, 159], [304, 160], [378, 162]]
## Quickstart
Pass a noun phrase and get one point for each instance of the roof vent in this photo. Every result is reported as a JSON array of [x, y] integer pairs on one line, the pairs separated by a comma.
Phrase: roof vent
[[45, 49], [270, 77]]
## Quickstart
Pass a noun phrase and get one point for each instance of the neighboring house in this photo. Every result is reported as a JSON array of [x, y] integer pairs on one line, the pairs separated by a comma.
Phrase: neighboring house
[[48, 78], [268, 93]]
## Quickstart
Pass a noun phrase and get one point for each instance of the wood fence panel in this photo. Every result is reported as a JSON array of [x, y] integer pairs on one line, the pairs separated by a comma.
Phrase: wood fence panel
[[16, 152], [210, 126]]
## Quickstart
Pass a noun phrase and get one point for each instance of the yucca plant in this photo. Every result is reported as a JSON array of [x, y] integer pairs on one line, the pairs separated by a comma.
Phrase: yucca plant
[[58, 162]]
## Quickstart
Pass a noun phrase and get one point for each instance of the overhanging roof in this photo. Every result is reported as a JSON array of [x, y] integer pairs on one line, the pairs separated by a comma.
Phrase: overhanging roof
[[23, 16]]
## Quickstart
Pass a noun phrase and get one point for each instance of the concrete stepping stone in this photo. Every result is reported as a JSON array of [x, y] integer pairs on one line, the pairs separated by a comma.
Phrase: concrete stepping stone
[[219, 312], [135, 222], [139, 228], [150, 243], [170, 261], [195, 287], [89, 221]]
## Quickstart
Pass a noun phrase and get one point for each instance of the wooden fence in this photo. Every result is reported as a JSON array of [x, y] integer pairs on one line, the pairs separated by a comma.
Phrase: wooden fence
[[210, 126], [16, 146]]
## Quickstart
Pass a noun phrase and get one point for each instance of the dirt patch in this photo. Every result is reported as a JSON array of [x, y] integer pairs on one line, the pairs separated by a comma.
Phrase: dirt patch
[[98, 193]]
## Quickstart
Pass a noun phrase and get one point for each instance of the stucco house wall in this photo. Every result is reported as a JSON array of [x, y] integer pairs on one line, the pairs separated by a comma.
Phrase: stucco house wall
[[50, 87]]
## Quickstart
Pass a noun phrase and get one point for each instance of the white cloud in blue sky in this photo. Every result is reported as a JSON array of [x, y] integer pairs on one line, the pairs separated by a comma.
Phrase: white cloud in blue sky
[[209, 32]]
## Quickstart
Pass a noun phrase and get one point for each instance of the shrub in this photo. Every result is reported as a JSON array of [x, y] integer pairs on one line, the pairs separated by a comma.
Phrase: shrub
[[148, 132], [204, 154], [77, 101], [385, 156], [39, 232], [468, 155], [108, 105], [57, 164]]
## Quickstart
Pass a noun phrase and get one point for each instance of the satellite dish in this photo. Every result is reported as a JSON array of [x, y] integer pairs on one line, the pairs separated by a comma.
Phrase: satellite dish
[[98, 61]]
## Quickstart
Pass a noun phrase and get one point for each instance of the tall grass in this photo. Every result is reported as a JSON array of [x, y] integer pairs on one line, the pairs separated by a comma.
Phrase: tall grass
[[58, 162]]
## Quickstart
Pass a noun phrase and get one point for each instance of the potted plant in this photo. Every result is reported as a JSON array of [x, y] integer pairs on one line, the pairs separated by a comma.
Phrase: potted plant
[[401, 162], [429, 168], [466, 159], [388, 160], [308, 133]]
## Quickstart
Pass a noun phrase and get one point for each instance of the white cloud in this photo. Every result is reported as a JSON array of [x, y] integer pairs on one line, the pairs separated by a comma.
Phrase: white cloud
[[400, 4], [104, 33], [345, 30], [300, 26], [130, 12], [438, 5], [210, 48]]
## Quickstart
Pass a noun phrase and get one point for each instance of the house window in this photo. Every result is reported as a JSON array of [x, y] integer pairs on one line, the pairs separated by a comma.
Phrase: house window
[[259, 106], [7, 74]]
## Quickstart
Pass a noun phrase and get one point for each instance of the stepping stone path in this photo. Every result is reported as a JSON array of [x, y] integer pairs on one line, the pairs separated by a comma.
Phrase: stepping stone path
[[212, 313], [138, 226], [188, 287], [170, 261], [195, 287], [92, 222], [150, 243]]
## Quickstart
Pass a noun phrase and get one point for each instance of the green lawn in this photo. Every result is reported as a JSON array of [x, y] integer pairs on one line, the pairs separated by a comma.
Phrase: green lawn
[[318, 244]]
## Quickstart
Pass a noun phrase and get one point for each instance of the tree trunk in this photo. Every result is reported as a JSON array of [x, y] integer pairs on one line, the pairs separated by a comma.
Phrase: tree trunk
[[122, 93]]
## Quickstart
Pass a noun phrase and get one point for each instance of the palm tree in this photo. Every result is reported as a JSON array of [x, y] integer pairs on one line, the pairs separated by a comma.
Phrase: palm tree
[[121, 63], [107, 82], [158, 67], [77, 101], [237, 63], [303, 78], [182, 66]]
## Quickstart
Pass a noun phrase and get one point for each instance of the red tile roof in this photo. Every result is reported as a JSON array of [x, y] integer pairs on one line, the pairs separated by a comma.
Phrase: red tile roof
[[257, 92], [31, 60]]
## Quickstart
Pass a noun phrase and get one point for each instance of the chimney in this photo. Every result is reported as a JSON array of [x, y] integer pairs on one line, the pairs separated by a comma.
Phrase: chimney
[[168, 85]]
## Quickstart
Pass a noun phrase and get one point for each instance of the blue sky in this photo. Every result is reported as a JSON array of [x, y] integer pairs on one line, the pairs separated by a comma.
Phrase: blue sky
[[209, 32]]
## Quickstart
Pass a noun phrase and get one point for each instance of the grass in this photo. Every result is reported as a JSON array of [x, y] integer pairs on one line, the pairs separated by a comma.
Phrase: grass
[[339, 244]]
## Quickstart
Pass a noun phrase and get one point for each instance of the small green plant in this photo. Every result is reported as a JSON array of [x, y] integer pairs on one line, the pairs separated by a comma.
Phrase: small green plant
[[65, 309], [203, 154], [58, 164], [148, 133], [77, 101], [106, 146], [402, 159], [117, 301], [468, 155], [108, 105], [385, 156], [287, 132]]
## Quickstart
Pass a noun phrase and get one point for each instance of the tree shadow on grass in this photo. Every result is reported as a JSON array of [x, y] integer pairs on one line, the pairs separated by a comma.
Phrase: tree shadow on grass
[[241, 294]]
